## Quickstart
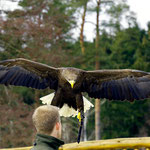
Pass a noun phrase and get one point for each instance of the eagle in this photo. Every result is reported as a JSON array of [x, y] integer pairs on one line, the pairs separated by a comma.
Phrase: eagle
[[69, 83]]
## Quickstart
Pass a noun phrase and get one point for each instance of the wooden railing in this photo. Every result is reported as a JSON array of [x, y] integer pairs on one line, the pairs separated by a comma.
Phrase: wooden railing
[[113, 144], [21, 148]]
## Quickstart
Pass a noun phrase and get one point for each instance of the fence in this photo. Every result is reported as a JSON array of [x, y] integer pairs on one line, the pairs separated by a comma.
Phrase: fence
[[113, 144]]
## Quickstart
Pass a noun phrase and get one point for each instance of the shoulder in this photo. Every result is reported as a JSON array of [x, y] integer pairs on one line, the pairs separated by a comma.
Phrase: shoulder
[[41, 147]]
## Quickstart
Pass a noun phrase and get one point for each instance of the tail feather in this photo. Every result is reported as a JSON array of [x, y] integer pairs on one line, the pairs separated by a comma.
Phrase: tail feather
[[66, 111]]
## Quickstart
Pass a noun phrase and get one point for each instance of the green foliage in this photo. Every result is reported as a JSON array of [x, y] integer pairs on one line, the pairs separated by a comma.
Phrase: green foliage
[[124, 47], [26, 93], [123, 119]]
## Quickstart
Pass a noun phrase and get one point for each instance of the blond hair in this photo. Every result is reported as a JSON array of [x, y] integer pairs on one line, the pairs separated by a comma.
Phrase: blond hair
[[44, 118]]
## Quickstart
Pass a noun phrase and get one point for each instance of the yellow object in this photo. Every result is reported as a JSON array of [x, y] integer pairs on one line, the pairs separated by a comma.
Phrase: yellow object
[[72, 83], [21, 148], [112, 144], [79, 116]]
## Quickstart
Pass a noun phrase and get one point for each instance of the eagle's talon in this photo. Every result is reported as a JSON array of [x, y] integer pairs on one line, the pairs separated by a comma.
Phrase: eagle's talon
[[81, 119]]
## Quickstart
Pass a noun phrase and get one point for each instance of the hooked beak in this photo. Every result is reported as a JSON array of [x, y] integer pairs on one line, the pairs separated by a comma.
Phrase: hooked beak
[[72, 82]]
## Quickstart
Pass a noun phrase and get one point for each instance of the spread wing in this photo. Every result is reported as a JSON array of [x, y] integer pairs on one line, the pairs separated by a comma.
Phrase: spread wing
[[122, 84], [23, 72]]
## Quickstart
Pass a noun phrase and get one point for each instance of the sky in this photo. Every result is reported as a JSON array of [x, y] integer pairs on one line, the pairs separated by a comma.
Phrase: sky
[[140, 7], [6, 4]]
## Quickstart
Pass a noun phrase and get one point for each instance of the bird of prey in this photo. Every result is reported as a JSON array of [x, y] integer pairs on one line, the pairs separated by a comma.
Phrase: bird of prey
[[69, 83]]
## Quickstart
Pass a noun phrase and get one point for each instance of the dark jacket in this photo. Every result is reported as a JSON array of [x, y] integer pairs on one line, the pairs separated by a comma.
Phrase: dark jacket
[[45, 142]]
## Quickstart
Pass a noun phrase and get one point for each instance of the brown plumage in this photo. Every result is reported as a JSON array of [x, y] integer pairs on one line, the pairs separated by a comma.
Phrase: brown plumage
[[69, 83]]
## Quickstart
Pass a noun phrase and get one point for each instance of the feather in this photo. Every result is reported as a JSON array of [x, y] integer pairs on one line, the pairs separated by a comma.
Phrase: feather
[[66, 111]]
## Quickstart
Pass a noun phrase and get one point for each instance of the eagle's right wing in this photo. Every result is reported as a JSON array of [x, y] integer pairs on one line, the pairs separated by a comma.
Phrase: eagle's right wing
[[23, 72]]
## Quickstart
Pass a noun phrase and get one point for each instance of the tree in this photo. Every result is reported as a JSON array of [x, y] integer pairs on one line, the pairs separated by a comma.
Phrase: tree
[[82, 27]]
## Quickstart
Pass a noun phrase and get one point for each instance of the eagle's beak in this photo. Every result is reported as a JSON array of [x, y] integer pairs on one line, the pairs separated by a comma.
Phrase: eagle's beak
[[72, 83]]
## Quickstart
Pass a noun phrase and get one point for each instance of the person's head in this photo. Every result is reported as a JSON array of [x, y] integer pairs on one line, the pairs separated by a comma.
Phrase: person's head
[[46, 120]]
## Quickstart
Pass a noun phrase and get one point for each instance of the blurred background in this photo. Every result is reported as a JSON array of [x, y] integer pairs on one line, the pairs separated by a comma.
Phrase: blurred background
[[87, 34]]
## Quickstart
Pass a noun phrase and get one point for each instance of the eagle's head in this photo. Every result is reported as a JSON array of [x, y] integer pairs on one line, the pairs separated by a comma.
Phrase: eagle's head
[[71, 75]]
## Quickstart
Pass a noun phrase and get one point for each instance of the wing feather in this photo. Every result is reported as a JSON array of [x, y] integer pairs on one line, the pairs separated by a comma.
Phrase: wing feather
[[122, 84], [23, 72]]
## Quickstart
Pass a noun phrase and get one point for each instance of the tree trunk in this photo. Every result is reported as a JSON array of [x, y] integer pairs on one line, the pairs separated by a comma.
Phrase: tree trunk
[[97, 66], [82, 29]]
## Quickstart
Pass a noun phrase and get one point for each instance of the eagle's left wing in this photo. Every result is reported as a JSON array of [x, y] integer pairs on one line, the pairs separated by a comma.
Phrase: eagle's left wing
[[120, 84]]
